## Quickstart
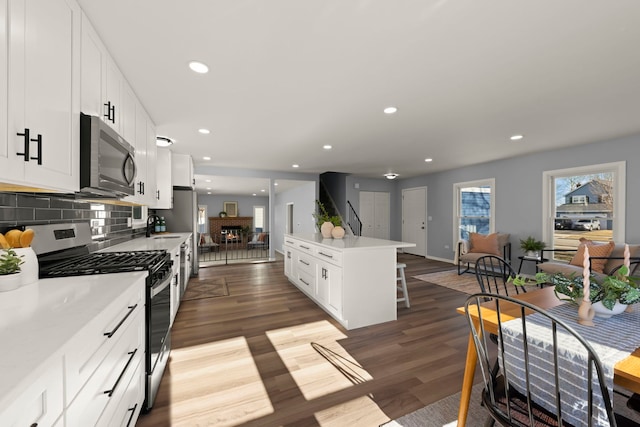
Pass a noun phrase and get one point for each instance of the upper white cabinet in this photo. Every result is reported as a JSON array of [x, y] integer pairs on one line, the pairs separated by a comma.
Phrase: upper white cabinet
[[164, 189], [145, 145], [40, 143], [182, 171]]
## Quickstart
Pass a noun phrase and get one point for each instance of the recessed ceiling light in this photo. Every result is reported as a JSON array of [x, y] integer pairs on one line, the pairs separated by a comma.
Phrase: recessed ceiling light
[[207, 180], [254, 194], [206, 158], [208, 192], [204, 131], [391, 175], [208, 188], [164, 141], [390, 110], [263, 190], [428, 160], [517, 137], [275, 183], [327, 147], [295, 166], [198, 67]]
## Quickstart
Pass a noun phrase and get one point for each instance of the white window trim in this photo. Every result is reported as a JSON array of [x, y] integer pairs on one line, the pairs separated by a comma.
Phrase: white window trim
[[619, 169], [264, 225], [456, 204], [578, 199]]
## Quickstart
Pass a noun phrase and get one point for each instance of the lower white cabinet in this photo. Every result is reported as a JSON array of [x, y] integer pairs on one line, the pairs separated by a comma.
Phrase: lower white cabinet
[[352, 279]]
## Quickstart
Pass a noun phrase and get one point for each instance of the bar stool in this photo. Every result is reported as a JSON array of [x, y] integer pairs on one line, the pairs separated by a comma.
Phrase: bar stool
[[403, 284]]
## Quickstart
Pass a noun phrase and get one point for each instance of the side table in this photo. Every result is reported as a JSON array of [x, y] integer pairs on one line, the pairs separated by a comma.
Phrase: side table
[[527, 258]]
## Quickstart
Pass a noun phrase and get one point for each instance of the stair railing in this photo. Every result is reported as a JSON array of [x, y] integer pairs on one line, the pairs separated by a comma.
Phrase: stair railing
[[354, 221]]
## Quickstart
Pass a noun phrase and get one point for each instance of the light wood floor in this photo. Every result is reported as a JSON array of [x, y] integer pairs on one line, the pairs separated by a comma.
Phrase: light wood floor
[[268, 356]]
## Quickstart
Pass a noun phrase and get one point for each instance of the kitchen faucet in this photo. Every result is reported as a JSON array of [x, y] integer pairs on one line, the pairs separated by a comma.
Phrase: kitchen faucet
[[151, 222]]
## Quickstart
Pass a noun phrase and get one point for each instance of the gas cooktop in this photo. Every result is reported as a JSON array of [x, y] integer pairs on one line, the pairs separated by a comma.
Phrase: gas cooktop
[[104, 262]]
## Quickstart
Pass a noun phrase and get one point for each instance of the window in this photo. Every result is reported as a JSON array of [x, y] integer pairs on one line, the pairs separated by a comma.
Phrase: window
[[579, 199], [474, 208], [566, 214], [258, 218]]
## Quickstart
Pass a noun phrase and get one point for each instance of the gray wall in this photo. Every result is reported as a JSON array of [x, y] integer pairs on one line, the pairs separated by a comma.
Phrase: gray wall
[[519, 191], [215, 204], [303, 198]]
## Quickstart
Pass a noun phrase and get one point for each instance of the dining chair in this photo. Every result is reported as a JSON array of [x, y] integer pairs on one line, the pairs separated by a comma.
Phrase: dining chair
[[510, 398], [493, 274]]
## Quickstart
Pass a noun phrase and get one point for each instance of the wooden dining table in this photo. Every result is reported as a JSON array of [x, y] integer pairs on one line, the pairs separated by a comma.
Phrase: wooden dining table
[[626, 372]]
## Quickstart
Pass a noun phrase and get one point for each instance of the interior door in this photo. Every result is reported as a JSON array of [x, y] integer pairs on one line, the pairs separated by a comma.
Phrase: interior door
[[374, 214], [414, 219]]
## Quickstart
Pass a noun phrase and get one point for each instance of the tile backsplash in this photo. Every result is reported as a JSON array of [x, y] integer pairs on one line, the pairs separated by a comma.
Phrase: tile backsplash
[[109, 222]]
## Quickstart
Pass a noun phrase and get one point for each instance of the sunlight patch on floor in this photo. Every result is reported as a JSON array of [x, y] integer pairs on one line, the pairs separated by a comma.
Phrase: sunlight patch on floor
[[358, 412], [216, 383], [315, 359]]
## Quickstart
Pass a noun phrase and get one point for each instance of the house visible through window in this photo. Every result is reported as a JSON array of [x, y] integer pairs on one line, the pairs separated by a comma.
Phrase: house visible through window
[[474, 208], [584, 202]]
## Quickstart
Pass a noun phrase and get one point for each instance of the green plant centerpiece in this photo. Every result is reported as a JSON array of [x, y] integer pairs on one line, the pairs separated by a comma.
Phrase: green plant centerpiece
[[531, 246], [10, 262], [619, 287], [322, 216]]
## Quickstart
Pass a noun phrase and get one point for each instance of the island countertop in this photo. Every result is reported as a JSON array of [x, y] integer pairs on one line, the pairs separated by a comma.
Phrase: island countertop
[[350, 242]]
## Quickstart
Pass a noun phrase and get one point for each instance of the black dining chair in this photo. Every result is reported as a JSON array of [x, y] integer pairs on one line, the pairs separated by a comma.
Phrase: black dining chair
[[493, 274], [511, 405]]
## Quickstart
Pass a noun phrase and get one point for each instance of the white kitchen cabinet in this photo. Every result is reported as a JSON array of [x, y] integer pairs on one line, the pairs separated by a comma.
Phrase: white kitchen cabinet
[[182, 171], [128, 114], [150, 185], [144, 142], [164, 189], [175, 283], [42, 402], [353, 279], [40, 147], [4, 76]]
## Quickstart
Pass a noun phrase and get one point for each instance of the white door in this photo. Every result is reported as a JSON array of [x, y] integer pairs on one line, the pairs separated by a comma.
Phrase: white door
[[414, 219], [374, 214]]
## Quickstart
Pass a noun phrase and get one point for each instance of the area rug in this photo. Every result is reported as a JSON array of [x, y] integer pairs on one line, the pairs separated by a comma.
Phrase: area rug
[[206, 288], [466, 282], [444, 413]]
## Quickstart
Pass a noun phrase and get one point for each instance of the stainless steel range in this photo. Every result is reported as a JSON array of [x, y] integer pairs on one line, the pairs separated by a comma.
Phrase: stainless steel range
[[62, 251]]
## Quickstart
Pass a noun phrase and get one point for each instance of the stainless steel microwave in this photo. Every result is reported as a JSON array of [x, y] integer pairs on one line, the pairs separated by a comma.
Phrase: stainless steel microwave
[[107, 161]]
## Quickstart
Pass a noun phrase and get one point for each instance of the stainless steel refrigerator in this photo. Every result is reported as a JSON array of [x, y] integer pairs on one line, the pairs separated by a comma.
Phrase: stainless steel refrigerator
[[183, 218]]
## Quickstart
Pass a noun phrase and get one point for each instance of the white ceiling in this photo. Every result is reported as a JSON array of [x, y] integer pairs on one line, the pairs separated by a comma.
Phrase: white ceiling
[[288, 76]]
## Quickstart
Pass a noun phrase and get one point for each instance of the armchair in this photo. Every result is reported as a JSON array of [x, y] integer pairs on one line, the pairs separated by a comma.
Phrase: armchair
[[478, 245]]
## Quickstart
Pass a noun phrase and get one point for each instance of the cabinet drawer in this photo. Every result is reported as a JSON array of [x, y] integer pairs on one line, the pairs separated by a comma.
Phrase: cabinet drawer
[[127, 401], [95, 340], [329, 255], [305, 263], [305, 281], [305, 247], [42, 401], [110, 378], [288, 241]]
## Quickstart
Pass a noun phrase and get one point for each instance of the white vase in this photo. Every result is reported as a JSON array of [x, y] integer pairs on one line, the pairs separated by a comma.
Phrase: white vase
[[325, 229], [602, 311], [29, 267], [9, 282], [337, 232]]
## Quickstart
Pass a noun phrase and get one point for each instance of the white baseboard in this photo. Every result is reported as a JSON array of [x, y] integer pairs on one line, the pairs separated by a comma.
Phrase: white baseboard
[[434, 258]]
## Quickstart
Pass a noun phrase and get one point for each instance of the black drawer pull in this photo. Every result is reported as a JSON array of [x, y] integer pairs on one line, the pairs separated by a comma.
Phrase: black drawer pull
[[324, 273], [27, 140], [304, 282], [110, 334], [113, 389], [133, 411], [304, 262], [305, 247], [38, 139], [327, 255], [288, 241]]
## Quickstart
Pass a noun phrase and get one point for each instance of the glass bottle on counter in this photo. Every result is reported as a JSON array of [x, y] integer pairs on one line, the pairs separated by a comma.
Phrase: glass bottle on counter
[[163, 225], [157, 225]]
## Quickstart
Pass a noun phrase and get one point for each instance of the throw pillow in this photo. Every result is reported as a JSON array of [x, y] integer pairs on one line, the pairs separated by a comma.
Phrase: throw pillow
[[595, 250], [484, 244]]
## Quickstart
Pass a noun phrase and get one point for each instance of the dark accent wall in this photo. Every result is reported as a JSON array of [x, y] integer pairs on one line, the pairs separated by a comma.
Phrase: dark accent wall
[[109, 222]]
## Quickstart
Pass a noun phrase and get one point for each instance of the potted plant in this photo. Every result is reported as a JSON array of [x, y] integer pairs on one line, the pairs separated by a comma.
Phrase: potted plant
[[532, 247], [222, 214], [325, 222], [10, 273]]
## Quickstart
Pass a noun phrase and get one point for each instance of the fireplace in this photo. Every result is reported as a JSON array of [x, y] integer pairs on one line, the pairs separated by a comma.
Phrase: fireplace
[[231, 233]]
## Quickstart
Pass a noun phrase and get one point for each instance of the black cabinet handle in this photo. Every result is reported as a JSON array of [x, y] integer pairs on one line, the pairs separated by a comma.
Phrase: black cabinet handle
[[323, 254], [305, 247], [324, 273], [38, 139], [304, 262], [302, 280], [133, 411], [108, 115], [111, 112], [157, 194], [26, 144], [142, 187], [131, 309], [113, 389]]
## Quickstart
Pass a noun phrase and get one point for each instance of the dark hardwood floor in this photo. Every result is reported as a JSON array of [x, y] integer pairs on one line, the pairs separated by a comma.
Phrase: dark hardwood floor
[[266, 355]]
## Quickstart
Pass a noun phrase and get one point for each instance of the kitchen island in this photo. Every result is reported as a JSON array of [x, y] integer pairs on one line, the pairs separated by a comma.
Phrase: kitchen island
[[353, 278]]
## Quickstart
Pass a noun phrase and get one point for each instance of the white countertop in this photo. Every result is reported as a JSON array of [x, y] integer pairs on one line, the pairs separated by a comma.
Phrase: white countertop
[[350, 242], [168, 242], [37, 320]]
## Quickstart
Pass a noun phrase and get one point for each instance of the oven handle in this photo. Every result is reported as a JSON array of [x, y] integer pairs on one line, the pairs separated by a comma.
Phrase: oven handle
[[155, 290]]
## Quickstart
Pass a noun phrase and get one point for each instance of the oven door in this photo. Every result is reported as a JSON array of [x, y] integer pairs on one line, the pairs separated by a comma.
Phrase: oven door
[[158, 336]]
